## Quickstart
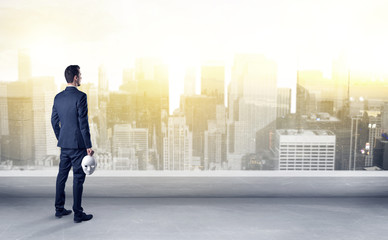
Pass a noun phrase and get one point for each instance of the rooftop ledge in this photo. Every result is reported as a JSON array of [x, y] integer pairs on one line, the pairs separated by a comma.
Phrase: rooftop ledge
[[224, 184], [126, 173]]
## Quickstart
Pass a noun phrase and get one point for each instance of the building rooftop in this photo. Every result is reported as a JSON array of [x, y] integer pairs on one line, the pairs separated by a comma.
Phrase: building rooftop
[[303, 132]]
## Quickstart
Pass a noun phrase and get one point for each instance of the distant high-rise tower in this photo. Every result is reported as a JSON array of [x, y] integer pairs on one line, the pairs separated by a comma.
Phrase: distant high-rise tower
[[311, 97], [374, 132], [283, 102], [178, 144], [252, 100], [24, 65], [45, 143], [384, 118], [190, 77], [129, 83], [130, 147], [152, 77], [103, 99], [215, 141], [213, 82], [340, 76], [19, 145], [3, 110], [3, 114], [198, 110], [152, 105], [103, 85]]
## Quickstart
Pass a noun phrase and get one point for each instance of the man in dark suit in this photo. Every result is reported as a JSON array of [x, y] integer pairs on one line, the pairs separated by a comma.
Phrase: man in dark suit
[[69, 120]]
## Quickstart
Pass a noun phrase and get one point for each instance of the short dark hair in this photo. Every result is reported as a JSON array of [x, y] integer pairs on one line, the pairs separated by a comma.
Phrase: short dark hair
[[70, 72]]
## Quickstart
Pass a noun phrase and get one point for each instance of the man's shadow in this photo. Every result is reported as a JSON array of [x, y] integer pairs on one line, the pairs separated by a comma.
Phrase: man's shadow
[[47, 226]]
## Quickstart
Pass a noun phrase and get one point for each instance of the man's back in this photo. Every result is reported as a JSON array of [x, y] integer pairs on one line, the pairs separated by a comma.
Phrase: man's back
[[70, 120]]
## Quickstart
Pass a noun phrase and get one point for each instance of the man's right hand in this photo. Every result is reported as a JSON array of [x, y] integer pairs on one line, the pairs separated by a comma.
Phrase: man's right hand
[[90, 151]]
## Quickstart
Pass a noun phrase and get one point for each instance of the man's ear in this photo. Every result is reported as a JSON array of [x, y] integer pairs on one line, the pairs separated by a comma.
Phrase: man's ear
[[75, 78]]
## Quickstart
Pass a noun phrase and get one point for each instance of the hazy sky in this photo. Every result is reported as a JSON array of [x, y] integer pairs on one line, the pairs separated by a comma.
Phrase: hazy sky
[[89, 33]]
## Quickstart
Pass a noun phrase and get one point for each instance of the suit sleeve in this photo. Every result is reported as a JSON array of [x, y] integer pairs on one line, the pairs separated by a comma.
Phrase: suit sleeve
[[55, 121], [83, 120]]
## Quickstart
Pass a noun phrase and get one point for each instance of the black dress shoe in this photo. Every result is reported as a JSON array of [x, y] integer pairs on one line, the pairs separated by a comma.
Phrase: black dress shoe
[[84, 217], [64, 212]]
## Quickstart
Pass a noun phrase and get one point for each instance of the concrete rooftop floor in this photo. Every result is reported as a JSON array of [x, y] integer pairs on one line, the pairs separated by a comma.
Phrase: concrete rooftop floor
[[219, 207]]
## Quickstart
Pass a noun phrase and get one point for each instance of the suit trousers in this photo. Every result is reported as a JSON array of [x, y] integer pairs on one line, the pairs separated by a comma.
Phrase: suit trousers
[[70, 158]]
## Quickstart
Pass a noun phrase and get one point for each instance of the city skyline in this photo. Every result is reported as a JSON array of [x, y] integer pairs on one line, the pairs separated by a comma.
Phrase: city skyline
[[132, 128], [187, 86]]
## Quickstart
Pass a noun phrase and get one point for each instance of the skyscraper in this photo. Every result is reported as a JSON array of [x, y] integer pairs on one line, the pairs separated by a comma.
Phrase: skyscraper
[[374, 132], [103, 99], [24, 65], [198, 110], [252, 100], [215, 141], [129, 83], [311, 97], [19, 144], [340, 76], [152, 104], [3, 114], [384, 118], [45, 142], [190, 77], [3, 110], [213, 82], [130, 147], [178, 144], [283, 102]]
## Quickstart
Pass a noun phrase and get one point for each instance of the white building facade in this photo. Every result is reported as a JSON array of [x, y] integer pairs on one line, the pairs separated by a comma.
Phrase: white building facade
[[177, 145], [305, 150]]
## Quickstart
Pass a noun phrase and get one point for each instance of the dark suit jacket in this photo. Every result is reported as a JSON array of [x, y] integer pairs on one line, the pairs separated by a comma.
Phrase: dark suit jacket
[[70, 119]]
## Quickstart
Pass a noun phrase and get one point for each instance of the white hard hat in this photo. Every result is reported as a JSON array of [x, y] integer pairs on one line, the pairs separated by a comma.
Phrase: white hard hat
[[89, 164]]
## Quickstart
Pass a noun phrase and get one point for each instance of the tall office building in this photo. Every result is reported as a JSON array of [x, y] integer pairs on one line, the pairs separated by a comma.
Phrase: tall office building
[[384, 118], [252, 102], [380, 158], [43, 93], [103, 84], [283, 102], [374, 132], [24, 65], [215, 141], [151, 76], [213, 82], [130, 147], [129, 84], [18, 146], [198, 110], [312, 97], [178, 144], [340, 76], [152, 105], [189, 83], [103, 99], [3, 110], [308, 150], [91, 91], [3, 115]]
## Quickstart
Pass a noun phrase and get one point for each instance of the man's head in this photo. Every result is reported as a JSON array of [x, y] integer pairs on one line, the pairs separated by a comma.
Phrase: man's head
[[73, 75]]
